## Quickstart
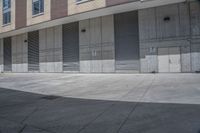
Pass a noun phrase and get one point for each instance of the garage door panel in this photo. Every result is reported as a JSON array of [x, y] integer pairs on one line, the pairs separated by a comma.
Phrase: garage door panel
[[127, 41], [33, 51], [7, 50], [71, 47]]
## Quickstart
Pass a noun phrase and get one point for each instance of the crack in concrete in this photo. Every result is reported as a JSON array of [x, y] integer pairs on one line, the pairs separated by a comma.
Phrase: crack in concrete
[[84, 127], [136, 105], [22, 129]]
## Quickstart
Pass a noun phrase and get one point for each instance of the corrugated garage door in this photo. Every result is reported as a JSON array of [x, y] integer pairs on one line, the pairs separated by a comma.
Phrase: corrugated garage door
[[7, 50], [33, 51], [127, 41], [71, 47]]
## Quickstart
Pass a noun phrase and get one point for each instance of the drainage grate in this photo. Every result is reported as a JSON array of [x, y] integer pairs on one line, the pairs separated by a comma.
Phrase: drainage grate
[[50, 97]]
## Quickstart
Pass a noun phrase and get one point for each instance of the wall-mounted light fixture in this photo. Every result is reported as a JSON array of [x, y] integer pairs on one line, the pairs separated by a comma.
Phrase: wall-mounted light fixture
[[83, 30], [166, 19]]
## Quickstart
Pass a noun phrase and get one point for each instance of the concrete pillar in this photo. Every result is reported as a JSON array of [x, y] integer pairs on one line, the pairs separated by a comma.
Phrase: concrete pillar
[[19, 53], [24, 53], [50, 49], [185, 59], [1, 55], [58, 56], [42, 50], [108, 47], [84, 48], [14, 53]]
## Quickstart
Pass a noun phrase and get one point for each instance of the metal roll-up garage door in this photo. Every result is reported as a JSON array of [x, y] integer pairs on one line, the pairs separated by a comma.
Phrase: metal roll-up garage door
[[7, 50], [71, 47], [33, 51], [127, 41]]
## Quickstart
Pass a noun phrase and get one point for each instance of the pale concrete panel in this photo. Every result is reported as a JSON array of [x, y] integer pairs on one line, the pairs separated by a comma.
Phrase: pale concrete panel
[[167, 28], [108, 66], [11, 26], [84, 37], [147, 23], [96, 66], [163, 60], [174, 59], [107, 29], [149, 60], [85, 66], [74, 8], [38, 18], [195, 58], [95, 31], [185, 59], [58, 66]]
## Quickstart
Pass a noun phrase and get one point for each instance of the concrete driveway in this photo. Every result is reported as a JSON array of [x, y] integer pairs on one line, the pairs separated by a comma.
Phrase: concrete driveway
[[100, 103]]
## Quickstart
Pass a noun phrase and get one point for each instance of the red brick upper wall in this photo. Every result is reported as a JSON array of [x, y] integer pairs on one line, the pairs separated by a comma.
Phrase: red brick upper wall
[[59, 9], [117, 2], [20, 17]]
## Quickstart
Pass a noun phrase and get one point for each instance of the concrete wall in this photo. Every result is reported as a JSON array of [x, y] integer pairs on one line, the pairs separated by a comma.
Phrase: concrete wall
[[11, 26], [74, 8], [50, 49], [1, 55], [19, 53], [195, 35], [155, 33], [38, 18], [97, 45]]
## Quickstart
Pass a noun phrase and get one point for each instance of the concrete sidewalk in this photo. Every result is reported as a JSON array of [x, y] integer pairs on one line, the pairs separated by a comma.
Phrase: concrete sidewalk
[[99, 103]]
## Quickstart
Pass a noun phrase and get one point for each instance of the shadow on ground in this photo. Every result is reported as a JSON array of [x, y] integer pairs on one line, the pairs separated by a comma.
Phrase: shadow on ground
[[23, 112]]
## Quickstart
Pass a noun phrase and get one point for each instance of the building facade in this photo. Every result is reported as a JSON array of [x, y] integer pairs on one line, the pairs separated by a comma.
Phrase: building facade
[[100, 36]]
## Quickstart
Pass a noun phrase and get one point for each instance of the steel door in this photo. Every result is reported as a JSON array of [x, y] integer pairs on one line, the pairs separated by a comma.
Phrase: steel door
[[71, 47], [7, 54], [33, 51], [127, 41]]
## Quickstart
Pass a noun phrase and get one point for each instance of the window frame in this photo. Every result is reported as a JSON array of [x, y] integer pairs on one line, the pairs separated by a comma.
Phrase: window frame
[[40, 8], [6, 12], [81, 1]]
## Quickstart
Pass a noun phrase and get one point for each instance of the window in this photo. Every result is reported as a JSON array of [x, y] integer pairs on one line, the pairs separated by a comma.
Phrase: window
[[6, 12], [38, 7], [81, 1]]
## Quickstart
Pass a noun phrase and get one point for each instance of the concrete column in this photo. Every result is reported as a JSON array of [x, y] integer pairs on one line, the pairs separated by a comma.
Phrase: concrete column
[[14, 53], [24, 53], [19, 53], [42, 50], [50, 49], [108, 47], [58, 56], [1, 55], [84, 48]]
